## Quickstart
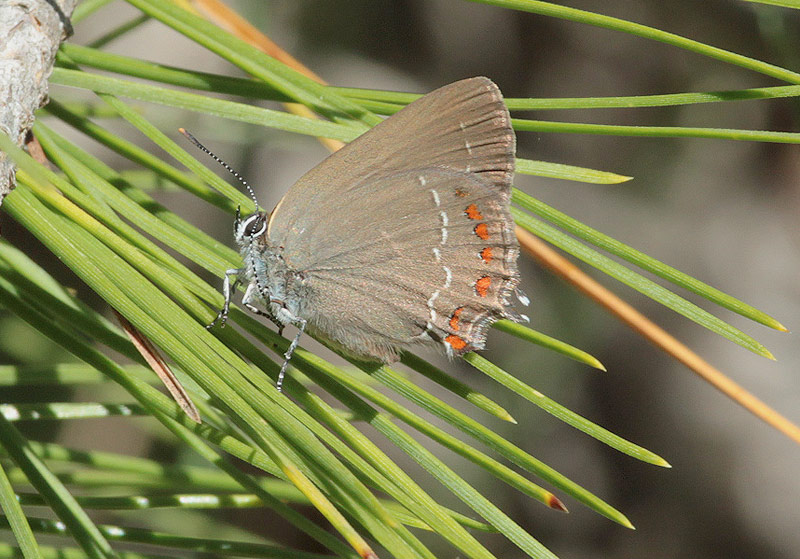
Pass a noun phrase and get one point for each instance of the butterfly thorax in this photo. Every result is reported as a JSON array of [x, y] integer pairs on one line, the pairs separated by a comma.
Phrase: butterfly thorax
[[274, 285]]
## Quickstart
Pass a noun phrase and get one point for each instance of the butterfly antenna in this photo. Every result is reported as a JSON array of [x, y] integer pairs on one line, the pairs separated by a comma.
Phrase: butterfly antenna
[[239, 177]]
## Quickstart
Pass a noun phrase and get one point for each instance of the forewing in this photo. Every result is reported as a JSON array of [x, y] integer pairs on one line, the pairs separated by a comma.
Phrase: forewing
[[464, 127]]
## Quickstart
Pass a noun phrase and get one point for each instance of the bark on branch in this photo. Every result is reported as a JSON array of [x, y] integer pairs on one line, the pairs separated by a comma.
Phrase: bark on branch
[[30, 34]]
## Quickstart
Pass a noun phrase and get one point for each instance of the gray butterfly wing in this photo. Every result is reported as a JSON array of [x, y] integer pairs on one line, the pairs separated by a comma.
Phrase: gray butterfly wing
[[430, 258], [404, 235], [463, 126]]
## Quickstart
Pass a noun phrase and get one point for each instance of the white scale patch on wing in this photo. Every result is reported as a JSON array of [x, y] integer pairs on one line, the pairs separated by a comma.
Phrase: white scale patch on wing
[[448, 274]]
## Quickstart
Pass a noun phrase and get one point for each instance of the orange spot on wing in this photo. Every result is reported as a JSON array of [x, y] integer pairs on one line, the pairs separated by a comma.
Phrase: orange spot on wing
[[486, 254], [482, 286], [454, 318], [460, 192], [473, 212], [456, 342], [482, 230]]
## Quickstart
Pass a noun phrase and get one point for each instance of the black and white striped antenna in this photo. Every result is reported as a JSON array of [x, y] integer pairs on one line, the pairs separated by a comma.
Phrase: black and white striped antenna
[[239, 177]]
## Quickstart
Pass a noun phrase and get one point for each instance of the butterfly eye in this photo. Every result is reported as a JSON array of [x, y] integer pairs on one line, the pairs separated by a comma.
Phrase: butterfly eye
[[255, 225]]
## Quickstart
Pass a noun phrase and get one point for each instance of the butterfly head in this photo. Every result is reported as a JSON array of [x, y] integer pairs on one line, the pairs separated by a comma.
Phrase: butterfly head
[[248, 229]]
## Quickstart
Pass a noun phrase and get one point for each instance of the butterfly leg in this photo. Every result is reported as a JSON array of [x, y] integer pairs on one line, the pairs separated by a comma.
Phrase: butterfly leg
[[250, 294], [227, 289], [301, 326], [247, 301], [285, 316]]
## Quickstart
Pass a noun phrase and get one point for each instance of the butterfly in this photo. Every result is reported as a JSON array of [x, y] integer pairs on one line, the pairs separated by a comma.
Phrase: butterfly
[[403, 237]]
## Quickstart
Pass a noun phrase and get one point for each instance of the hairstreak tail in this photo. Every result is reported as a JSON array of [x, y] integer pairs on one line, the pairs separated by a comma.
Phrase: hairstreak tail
[[402, 237]]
